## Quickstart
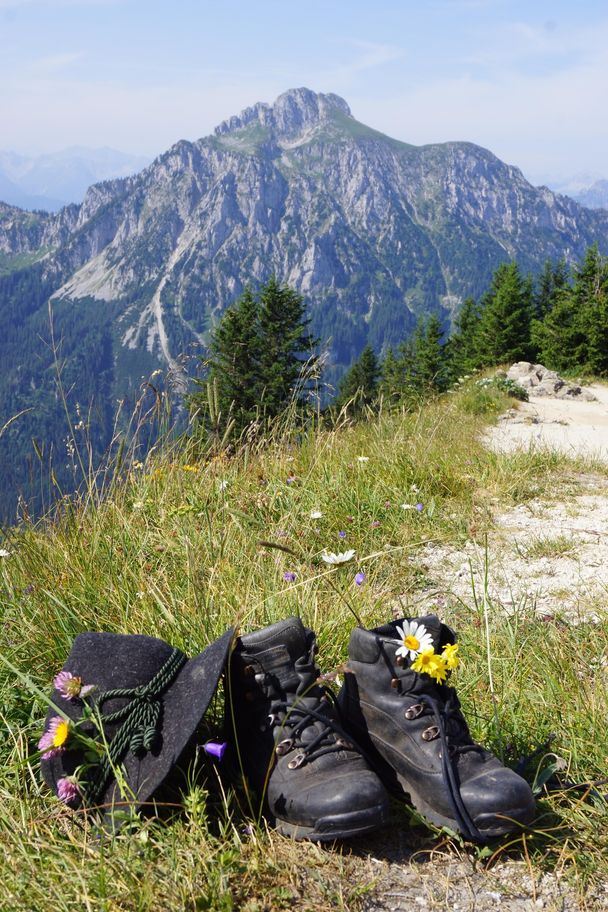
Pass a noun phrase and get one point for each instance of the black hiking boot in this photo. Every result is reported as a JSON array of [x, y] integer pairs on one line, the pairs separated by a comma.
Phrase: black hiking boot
[[290, 745], [421, 739]]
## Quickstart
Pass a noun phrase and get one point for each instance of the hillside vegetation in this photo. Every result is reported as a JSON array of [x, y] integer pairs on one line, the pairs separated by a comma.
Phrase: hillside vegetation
[[184, 547]]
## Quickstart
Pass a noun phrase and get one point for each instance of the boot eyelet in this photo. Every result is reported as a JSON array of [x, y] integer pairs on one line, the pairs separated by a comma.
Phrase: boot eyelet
[[394, 683], [283, 747], [430, 733], [248, 671], [414, 711], [297, 761], [399, 661]]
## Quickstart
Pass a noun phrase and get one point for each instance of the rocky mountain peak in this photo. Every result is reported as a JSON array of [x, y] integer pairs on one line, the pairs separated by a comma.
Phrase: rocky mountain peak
[[293, 113]]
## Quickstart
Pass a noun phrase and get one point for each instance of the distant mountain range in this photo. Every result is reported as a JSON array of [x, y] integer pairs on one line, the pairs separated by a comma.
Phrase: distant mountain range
[[587, 187], [372, 231], [56, 179]]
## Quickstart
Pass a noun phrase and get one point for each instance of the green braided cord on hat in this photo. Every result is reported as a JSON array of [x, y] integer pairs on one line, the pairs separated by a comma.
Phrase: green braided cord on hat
[[140, 719]]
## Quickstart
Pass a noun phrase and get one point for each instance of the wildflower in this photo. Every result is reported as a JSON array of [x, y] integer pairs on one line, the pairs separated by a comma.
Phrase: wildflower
[[342, 534], [4, 552], [415, 639], [291, 479], [387, 504], [449, 654], [420, 507], [70, 686], [362, 458], [215, 749], [68, 789], [407, 506], [350, 519], [414, 489], [342, 558], [138, 505], [54, 739], [315, 514], [289, 576], [428, 662], [360, 578], [140, 594], [222, 485], [375, 524], [190, 468]]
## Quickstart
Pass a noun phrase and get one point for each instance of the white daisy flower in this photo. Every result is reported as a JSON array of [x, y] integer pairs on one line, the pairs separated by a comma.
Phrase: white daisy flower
[[341, 558], [406, 506], [315, 514], [415, 639], [4, 552], [362, 458]]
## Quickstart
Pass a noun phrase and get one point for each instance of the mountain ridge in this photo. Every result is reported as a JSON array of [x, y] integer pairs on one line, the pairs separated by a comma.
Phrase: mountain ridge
[[373, 232]]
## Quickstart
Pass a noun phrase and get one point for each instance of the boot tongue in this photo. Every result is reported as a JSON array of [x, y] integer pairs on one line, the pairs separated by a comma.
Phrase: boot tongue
[[278, 647]]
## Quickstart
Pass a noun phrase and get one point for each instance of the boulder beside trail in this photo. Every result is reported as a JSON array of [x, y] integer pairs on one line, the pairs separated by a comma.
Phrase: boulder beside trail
[[540, 381]]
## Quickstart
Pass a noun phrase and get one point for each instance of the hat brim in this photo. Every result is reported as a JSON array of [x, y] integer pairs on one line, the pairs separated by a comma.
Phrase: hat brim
[[184, 705]]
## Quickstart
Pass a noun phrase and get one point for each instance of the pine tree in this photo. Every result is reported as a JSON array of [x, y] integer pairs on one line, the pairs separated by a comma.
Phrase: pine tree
[[234, 363], [590, 303], [286, 345], [461, 349], [257, 354], [429, 367], [506, 314], [553, 278], [359, 385]]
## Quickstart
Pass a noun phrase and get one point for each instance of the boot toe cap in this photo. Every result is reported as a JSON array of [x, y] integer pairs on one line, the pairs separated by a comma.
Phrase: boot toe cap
[[498, 801]]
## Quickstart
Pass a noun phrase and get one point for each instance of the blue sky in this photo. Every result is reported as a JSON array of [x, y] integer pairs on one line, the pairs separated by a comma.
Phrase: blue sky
[[526, 80]]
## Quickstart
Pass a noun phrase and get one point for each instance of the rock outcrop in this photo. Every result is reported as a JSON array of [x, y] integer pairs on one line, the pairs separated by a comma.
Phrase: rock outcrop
[[539, 381]]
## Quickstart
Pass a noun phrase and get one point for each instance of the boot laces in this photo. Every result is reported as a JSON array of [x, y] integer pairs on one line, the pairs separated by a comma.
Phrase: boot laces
[[442, 703], [296, 712]]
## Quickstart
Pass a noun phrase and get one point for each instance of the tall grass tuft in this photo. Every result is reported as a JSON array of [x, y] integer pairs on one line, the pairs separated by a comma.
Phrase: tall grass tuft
[[190, 542]]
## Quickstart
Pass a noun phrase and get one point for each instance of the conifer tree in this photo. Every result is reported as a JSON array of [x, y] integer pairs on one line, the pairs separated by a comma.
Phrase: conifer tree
[[234, 363], [429, 364], [359, 385], [504, 328], [461, 349], [286, 345], [257, 354], [552, 280]]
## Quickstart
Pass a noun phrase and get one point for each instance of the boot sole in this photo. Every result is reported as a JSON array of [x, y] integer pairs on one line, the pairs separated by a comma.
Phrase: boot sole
[[336, 826], [511, 822], [401, 789]]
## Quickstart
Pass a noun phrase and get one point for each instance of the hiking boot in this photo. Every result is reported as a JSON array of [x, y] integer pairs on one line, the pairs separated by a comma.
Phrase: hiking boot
[[413, 723], [289, 743]]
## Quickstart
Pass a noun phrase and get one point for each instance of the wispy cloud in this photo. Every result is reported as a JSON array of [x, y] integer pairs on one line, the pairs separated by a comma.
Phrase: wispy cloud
[[365, 55], [54, 63]]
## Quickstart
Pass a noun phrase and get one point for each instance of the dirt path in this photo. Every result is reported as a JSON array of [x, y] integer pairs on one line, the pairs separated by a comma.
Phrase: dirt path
[[549, 555], [573, 427]]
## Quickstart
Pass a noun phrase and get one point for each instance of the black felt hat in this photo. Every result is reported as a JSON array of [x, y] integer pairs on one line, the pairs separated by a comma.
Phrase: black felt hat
[[149, 700]]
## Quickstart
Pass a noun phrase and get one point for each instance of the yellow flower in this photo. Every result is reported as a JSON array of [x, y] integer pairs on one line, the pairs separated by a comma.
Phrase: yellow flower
[[60, 735], [423, 661], [439, 669], [428, 662], [190, 468], [449, 654]]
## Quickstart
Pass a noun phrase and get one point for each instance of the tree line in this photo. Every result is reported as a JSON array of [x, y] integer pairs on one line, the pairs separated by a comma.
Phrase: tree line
[[261, 355]]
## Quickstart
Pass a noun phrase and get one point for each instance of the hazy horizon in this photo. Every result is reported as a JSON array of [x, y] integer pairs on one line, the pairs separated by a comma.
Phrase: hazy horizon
[[526, 84]]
